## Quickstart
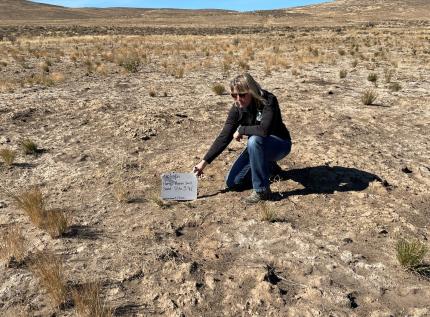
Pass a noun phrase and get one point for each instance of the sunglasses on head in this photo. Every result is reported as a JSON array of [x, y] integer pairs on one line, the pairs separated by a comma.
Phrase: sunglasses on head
[[241, 95]]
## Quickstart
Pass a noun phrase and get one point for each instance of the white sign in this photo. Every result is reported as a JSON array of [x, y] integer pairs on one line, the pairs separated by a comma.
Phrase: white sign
[[179, 186]]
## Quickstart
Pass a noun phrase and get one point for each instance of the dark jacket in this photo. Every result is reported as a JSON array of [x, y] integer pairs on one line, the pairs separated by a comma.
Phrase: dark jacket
[[248, 122]]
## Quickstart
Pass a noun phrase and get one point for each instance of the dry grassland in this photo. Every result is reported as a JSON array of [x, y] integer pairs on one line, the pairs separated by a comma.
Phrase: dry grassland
[[110, 113]]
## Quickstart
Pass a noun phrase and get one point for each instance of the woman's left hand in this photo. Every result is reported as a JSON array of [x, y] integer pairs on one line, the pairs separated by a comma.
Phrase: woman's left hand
[[237, 136]]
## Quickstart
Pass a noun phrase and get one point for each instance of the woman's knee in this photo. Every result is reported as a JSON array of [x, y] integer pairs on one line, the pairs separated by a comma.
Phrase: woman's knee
[[255, 141]]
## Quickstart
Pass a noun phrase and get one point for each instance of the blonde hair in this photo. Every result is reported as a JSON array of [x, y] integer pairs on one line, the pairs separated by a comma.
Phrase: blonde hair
[[245, 83]]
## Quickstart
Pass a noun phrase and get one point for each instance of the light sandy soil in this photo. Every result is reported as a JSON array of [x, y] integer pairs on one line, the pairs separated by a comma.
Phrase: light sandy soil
[[357, 179]]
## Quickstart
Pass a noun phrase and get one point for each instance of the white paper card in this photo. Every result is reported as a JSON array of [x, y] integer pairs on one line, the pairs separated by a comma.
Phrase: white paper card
[[179, 186]]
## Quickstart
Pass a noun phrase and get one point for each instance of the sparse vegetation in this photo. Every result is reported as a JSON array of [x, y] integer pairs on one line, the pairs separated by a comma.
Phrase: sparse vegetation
[[29, 147], [32, 203], [343, 73], [410, 255], [130, 63], [8, 156], [267, 213], [369, 97], [48, 268], [12, 245], [120, 192], [372, 77], [89, 302], [218, 89]]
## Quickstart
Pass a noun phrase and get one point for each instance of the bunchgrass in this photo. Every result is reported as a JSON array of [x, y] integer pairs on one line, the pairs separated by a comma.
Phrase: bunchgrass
[[48, 269], [55, 222], [32, 203], [267, 214], [369, 97], [8, 156], [218, 89], [342, 73], [89, 303], [12, 245], [121, 193], [410, 255], [29, 147], [372, 77]]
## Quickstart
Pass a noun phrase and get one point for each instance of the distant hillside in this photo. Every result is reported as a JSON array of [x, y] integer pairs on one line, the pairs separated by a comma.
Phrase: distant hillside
[[28, 10], [330, 13]]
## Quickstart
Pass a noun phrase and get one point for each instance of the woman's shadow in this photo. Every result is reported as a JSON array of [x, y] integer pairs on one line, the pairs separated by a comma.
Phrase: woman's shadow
[[317, 180], [326, 180]]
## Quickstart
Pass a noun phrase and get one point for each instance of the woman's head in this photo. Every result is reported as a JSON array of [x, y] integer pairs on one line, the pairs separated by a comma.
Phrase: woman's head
[[244, 88]]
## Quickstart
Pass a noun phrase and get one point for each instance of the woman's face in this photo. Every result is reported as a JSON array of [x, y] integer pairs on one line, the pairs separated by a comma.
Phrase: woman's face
[[241, 98]]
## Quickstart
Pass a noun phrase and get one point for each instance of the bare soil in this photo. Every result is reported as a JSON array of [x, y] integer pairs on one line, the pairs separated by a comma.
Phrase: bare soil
[[357, 179]]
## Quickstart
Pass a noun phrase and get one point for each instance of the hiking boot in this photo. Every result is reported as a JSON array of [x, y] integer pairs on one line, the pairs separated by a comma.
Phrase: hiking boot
[[256, 197]]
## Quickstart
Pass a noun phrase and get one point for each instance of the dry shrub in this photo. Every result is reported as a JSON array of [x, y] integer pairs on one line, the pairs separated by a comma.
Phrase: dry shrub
[[8, 156], [48, 269], [89, 303], [12, 245], [32, 203]]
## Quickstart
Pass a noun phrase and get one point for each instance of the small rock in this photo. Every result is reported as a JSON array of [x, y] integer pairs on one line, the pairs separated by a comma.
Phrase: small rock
[[3, 204], [347, 240], [4, 140]]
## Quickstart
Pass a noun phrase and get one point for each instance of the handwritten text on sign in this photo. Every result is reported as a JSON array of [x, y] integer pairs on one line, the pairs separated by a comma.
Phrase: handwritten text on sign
[[179, 186]]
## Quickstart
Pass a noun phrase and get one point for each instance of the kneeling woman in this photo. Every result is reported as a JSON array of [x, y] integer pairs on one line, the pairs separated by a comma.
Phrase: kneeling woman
[[255, 113]]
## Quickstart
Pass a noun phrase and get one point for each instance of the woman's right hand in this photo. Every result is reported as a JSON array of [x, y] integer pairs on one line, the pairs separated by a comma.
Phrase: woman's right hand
[[198, 169]]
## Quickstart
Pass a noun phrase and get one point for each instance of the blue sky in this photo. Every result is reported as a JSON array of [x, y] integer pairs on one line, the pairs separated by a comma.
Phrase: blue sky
[[240, 5]]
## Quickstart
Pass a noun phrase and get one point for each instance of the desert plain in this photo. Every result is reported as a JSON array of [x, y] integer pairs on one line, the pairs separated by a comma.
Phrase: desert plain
[[112, 99]]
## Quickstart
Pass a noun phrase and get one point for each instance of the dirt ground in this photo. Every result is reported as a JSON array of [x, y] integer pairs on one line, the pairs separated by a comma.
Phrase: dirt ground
[[357, 179]]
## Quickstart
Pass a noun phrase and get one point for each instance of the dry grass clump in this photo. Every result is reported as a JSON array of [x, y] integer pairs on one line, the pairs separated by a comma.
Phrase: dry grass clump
[[369, 97], [29, 147], [8, 156], [129, 61], [7, 86], [342, 73], [12, 245], [411, 255], [55, 223], [267, 214], [121, 193], [49, 270], [32, 203], [218, 89], [89, 303], [372, 77]]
